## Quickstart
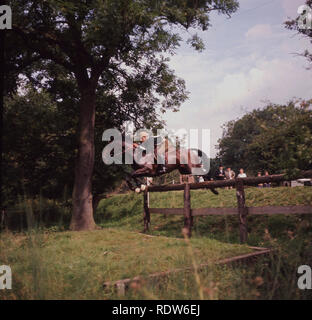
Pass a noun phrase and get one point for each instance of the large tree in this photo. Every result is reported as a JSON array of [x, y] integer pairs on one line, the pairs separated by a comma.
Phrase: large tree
[[109, 45]]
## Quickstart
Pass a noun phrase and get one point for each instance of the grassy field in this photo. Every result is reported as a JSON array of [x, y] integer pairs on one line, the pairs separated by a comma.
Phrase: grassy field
[[72, 265], [54, 263]]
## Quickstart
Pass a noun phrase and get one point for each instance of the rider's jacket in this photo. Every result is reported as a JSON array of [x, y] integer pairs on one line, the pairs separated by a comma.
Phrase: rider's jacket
[[150, 144]]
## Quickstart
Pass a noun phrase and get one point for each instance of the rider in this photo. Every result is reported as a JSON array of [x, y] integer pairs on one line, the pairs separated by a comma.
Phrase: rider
[[144, 136]]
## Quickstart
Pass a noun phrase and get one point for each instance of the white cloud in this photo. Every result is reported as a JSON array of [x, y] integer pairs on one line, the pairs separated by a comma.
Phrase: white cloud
[[259, 31], [222, 91], [276, 80], [241, 73]]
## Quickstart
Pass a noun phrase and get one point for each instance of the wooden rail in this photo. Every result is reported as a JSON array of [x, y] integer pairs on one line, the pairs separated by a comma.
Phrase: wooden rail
[[122, 285], [233, 211], [241, 210]]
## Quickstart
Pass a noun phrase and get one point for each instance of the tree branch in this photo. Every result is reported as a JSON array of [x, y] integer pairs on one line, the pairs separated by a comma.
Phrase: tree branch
[[30, 41]]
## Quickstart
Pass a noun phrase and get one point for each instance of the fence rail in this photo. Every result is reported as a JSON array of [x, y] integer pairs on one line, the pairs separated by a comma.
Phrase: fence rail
[[241, 210], [233, 211]]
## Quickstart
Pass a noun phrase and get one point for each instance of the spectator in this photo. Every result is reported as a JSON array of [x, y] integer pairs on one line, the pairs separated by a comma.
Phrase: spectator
[[220, 174], [260, 185], [186, 178], [229, 174], [242, 174], [268, 184]]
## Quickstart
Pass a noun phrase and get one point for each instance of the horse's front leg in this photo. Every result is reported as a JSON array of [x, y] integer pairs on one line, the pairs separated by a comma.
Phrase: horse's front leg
[[129, 180], [131, 187], [142, 172]]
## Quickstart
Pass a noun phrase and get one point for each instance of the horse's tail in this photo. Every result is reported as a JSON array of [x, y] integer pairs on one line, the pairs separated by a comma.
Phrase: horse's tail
[[200, 153]]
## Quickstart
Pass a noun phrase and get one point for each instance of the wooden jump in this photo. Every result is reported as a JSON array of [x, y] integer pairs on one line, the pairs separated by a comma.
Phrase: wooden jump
[[122, 285], [241, 210]]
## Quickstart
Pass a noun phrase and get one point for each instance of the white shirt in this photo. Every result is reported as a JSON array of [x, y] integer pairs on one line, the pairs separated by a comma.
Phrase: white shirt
[[242, 175]]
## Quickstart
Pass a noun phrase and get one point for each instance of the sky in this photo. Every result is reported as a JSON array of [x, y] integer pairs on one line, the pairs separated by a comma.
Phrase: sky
[[249, 59]]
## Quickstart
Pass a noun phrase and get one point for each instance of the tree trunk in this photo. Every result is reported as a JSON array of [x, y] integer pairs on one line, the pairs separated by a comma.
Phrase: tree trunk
[[96, 200], [82, 215]]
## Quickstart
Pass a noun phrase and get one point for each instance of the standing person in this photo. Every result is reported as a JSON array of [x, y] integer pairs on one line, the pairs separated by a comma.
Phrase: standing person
[[183, 178], [268, 184], [260, 185], [220, 173], [229, 174], [186, 178], [242, 174]]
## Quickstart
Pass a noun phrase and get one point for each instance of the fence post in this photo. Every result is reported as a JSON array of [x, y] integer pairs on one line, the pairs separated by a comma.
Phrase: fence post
[[242, 210], [147, 219], [187, 210]]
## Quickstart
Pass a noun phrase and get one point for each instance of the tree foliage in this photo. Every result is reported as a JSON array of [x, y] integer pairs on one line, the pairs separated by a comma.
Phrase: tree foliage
[[37, 145], [118, 42], [277, 138]]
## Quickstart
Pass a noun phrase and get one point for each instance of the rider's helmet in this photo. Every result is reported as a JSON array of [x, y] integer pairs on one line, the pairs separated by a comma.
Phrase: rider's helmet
[[144, 136]]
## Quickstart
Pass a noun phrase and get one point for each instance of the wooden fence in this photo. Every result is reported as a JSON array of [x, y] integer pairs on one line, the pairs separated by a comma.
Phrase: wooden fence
[[242, 211]]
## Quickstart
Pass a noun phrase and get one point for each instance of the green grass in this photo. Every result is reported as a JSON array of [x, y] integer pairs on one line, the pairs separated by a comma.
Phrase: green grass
[[48, 264], [73, 265], [125, 212]]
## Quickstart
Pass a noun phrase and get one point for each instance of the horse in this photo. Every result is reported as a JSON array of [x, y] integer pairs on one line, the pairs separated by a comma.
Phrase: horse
[[184, 160]]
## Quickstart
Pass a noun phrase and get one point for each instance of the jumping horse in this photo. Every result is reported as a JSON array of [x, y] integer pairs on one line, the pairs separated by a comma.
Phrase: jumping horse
[[184, 160]]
